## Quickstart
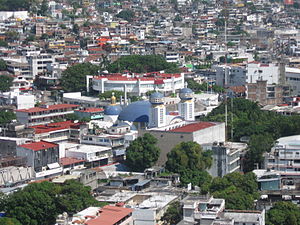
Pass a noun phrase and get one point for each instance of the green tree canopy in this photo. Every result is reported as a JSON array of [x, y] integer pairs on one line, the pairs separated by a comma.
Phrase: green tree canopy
[[9, 221], [190, 161], [74, 77], [107, 94], [40, 203], [283, 213], [239, 191], [126, 15], [3, 67], [142, 64], [173, 215], [15, 5], [142, 153], [6, 117]]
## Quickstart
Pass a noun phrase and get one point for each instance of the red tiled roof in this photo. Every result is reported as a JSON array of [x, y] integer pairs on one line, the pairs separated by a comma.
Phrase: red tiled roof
[[39, 129], [110, 215], [193, 127], [69, 161], [91, 110], [50, 107], [37, 146]]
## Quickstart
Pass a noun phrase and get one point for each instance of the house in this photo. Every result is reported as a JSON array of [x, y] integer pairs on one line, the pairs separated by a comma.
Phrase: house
[[42, 156]]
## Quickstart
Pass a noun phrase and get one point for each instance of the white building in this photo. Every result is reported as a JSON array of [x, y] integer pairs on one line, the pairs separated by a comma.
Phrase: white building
[[139, 84], [38, 63], [285, 156], [259, 71], [44, 114], [18, 99], [157, 115], [94, 155]]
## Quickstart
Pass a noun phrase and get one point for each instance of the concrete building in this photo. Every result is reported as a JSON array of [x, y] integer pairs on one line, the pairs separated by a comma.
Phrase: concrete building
[[209, 210], [285, 156], [60, 131], [84, 101], [226, 158], [157, 114], [258, 71], [38, 63], [230, 75], [90, 113], [18, 99], [171, 135], [44, 114], [94, 155], [266, 94], [139, 84], [12, 175], [8, 145], [42, 156]]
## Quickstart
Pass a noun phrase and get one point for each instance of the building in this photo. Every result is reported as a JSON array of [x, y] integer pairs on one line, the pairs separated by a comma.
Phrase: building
[[13, 175], [171, 135], [230, 75], [210, 210], [259, 71], [94, 155], [285, 156], [60, 131], [108, 215], [265, 94], [44, 114], [139, 84], [18, 99], [84, 101], [8, 145], [226, 158], [157, 114], [38, 63], [90, 113], [42, 156]]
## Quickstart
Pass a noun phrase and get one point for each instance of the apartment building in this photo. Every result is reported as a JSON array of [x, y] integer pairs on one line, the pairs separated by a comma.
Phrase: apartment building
[[44, 114], [139, 84], [42, 156], [38, 63]]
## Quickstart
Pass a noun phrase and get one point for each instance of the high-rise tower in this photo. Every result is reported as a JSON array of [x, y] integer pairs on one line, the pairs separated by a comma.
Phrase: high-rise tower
[[186, 105], [157, 116]]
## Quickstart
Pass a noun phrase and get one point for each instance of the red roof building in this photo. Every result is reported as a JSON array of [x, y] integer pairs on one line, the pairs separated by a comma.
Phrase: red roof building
[[112, 215], [44, 114]]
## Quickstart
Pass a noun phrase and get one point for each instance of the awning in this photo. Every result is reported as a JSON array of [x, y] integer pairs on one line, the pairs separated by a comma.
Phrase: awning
[[53, 166]]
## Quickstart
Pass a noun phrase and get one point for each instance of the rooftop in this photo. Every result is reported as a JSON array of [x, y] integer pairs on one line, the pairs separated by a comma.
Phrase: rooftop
[[91, 110], [37, 146], [47, 108], [193, 127], [110, 215], [54, 126], [69, 161]]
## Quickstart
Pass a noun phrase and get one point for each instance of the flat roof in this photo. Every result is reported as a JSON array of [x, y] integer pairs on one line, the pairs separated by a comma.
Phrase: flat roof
[[85, 148], [48, 108], [69, 161], [37, 146], [54, 126], [193, 127]]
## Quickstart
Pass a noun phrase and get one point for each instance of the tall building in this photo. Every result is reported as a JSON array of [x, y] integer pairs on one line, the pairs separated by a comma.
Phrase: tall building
[[186, 105], [157, 110]]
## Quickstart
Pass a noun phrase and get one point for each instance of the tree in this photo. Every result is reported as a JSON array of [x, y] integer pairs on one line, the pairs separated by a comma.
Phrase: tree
[[3, 67], [5, 81], [3, 43], [283, 213], [190, 161], [239, 191], [108, 94], [76, 28], [74, 77], [126, 15], [173, 215], [258, 145], [43, 8], [142, 153], [15, 5], [6, 117], [9, 221], [40, 203], [142, 64]]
